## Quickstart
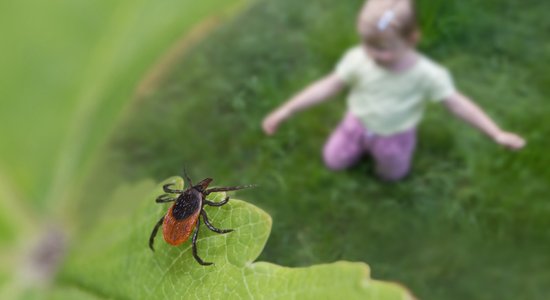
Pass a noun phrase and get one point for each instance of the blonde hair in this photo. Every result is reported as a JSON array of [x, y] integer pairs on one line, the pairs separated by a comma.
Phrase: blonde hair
[[383, 19]]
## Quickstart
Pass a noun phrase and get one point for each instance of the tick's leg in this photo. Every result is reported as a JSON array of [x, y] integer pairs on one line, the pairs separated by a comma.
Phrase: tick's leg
[[210, 226], [194, 242], [211, 203], [154, 233], [165, 198], [167, 189], [228, 188], [187, 177]]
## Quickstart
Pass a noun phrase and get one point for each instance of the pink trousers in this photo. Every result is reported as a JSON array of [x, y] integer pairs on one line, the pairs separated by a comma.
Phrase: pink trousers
[[351, 140]]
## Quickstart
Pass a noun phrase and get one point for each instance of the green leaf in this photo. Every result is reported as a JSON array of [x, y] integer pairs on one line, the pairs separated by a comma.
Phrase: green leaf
[[71, 293], [113, 258]]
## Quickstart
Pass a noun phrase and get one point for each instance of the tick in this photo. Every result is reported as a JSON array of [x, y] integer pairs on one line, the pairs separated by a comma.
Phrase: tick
[[184, 216]]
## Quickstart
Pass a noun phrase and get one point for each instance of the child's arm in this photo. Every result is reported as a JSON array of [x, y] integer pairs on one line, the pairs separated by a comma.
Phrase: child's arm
[[315, 93], [467, 110]]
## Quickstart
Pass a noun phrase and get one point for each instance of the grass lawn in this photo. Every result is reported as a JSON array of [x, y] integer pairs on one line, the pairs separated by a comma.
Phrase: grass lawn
[[470, 223]]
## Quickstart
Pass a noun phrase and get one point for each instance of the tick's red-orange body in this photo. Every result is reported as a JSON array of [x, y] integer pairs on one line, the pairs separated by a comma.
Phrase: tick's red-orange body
[[175, 231], [185, 214]]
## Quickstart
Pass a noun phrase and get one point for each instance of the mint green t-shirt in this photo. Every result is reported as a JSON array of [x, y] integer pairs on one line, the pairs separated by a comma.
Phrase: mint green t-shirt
[[389, 102]]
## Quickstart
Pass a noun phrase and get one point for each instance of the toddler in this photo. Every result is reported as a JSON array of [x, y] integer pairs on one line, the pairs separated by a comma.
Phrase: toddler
[[389, 84]]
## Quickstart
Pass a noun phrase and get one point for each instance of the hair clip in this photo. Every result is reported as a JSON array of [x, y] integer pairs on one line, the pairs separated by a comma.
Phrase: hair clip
[[385, 19]]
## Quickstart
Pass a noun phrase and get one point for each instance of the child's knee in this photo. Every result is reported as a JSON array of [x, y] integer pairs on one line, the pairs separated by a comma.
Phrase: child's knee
[[392, 164], [339, 156], [332, 160]]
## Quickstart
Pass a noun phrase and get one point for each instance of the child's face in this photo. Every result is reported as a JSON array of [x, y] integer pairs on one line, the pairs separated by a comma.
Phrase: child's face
[[388, 49], [387, 52]]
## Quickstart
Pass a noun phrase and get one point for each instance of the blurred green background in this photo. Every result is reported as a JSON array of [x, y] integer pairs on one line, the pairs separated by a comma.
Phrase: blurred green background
[[470, 223]]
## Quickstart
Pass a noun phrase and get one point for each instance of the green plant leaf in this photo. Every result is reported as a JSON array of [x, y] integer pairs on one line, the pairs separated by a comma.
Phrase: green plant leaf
[[113, 259]]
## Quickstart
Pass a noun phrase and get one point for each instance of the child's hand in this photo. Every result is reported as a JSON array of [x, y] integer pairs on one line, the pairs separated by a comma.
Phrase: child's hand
[[509, 140], [272, 121]]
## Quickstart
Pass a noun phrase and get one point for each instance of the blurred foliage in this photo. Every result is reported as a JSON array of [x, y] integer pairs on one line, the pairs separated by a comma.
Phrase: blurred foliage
[[68, 70], [471, 215]]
